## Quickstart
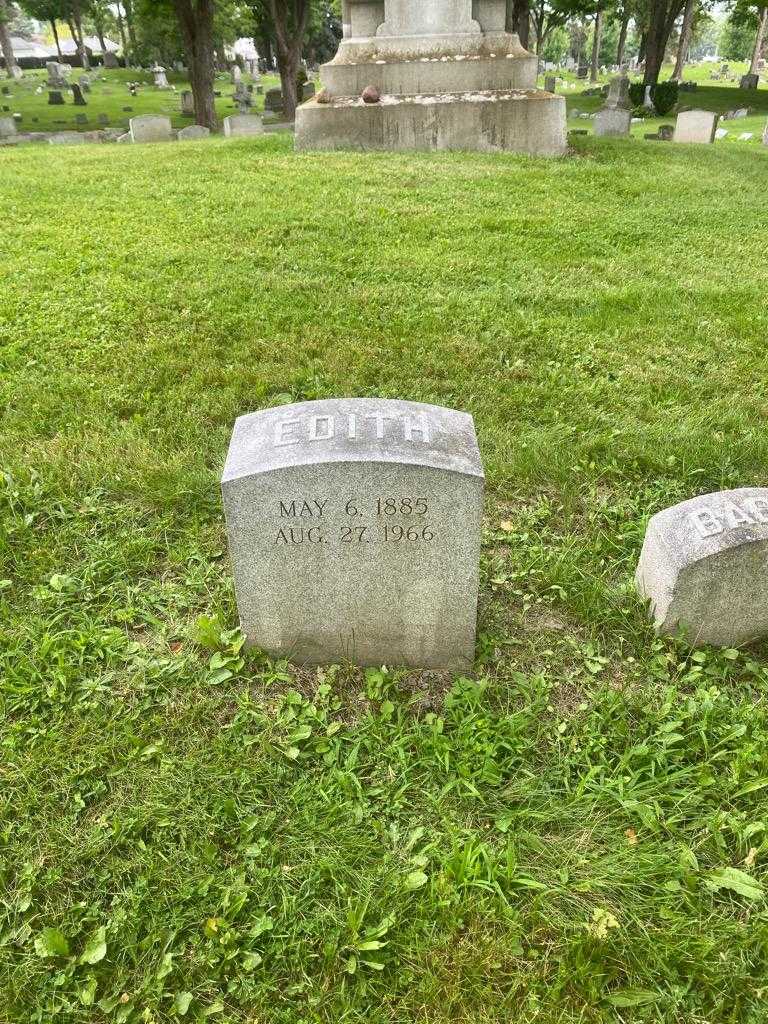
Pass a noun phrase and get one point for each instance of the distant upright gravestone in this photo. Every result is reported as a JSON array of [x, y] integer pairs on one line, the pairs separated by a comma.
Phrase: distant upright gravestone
[[354, 531], [150, 128], [242, 124], [704, 565], [192, 132], [55, 99], [695, 126]]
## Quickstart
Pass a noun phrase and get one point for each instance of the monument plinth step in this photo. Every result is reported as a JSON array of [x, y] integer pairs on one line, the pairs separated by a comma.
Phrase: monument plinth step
[[515, 121], [433, 75]]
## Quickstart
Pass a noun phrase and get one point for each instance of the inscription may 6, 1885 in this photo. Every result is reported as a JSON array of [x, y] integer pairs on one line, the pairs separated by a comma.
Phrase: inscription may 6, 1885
[[354, 531]]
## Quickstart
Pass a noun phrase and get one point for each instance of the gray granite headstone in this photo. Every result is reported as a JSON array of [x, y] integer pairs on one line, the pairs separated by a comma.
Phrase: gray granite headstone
[[67, 139], [695, 126], [192, 132], [242, 124], [613, 121], [354, 531], [704, 567], [150, 128]]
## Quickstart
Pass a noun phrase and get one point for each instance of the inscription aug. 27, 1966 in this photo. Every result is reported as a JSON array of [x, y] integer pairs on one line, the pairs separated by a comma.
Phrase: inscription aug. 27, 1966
[[317, 521]]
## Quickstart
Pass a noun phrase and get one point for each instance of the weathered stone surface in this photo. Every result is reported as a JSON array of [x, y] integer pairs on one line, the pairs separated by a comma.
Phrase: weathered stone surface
[[192, 132], [695, 126], [424, 59], [613, 121], [7, 127], [150, 128], [242, 124], [273, 101], [187, 103], [77, 94], [67, 139], [765, 134], [749, 82], [550, 83], [703, 567], [515, 122], [55, 99], [57, 74], [618, 94], [354, 531], [161, 81], [111, 61]]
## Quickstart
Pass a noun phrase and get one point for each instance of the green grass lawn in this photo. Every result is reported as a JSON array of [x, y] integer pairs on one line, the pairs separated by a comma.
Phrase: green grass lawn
[[576, 832], [110, 95]]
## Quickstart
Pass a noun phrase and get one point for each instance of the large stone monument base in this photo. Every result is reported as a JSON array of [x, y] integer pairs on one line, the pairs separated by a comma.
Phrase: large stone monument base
[[436, 74], [514, 121]]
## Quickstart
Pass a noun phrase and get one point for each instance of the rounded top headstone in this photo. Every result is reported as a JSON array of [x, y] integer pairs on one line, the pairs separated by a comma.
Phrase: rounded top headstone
[[703, 567], [353, 430]]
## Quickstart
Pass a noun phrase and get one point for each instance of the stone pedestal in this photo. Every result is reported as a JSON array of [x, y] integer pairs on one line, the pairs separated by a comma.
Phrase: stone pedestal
[[445, 74]]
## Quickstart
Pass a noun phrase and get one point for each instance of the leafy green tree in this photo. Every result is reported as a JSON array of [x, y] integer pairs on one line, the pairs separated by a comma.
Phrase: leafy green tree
[[50, 11], [743, 34], [549, 15]]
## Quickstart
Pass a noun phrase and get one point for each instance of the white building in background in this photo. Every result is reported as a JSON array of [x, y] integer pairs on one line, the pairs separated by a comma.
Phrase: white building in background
[[245, 48], [92, 44], [32, 54]]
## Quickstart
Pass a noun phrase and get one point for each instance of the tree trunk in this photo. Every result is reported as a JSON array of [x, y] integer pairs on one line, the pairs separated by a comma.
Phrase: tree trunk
[[195, 19], [596, 41], [759, 38], [663, 16], [642, 48], [121, 30], [289, 39], [521, 23], [622, 38], [128, 8], [77, 27], [685, 40], [98, 23], [56, 38], [5, 40]]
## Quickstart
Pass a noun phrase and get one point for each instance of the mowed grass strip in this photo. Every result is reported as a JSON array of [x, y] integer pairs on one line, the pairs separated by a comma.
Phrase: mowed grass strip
[[577, 831]]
